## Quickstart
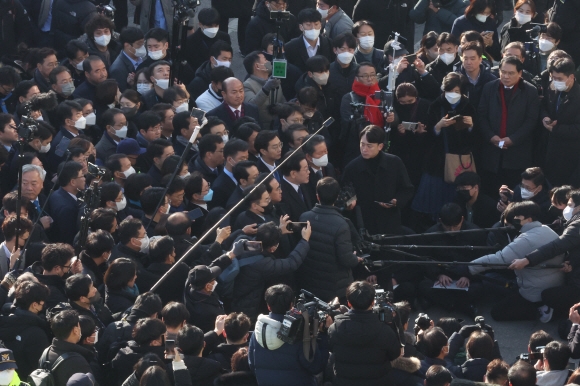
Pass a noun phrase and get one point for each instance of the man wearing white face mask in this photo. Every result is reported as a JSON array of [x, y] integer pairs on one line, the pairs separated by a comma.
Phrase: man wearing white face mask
[[299, 49], [115, 125], [221, 54], [235, 151], [560, 109], [343, 69], [447, 59], [316, 153], [159, 76], [261, 88], [99, 37], [548, 42], [364, 32], [199, 42], [131, 57], [72, 124], [335, 20], [120, 165]]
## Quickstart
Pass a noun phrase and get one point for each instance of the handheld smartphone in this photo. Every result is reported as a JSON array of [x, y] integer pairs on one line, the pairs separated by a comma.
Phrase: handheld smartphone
[[169, 348], [253, 246], [198, 113], [412, 126], [195, 214], [411, 58], [296, 226], [457, 118], [385, 203], [508, 194]]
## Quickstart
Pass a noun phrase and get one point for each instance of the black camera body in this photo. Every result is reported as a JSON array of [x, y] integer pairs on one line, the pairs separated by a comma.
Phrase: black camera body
[[531, 357], [107, 10], [346, 196], [279, 15], [422, 323], [388, 313]]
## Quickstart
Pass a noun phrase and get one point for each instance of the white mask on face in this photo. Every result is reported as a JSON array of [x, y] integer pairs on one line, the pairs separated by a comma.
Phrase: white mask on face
[[522, 19], [321, 79], [103, 40], [81, 123], [184, 176], [91, 119], [320, 162], [141, 52], [40, 118], [397, 61], [481, 17], [210, 32], [214, 285], [452, 97], [311, 34], [44, 148], [447, 58], [225, 138], [162, 83], [121, 204], [323, 12], [142, 88], [6, 376], [122, 132], [144, 245], [111, 105], [366, 42], [156, 55], [526, 194], [129, 171], [345, 57], [182, 107], [560, 86], [79, 66], [226, 63], [567, 213], [545, 45]]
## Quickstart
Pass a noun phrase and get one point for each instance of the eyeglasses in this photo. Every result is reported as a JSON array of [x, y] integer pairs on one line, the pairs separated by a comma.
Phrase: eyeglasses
[[155, 129], [367, 77], [277, 146]]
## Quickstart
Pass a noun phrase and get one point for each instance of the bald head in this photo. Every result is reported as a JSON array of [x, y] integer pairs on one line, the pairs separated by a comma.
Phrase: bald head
[[178, 224], [233, 92]]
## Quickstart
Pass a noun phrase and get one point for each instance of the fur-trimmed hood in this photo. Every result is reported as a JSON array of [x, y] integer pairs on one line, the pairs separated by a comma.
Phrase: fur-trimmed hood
[[409, 365]]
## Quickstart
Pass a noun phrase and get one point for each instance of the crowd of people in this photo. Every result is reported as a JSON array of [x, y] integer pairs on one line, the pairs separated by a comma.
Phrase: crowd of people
[[161, 213]]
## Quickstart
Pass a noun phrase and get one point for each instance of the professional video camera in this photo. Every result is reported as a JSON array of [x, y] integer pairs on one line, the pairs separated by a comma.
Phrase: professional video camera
[[107, 10], [346, 196], [309, 310], [422, 323], [388, 312], [532, 357], [184, 9]]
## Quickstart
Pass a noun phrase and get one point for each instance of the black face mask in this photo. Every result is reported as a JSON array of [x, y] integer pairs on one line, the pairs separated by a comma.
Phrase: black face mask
[[129, 112], [517, 223], [463, 196], [268, 208]]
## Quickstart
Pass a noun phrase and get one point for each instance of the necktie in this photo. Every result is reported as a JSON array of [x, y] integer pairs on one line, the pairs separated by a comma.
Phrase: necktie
[[319, 174], [300, 193], [237, 113], [37, 205]]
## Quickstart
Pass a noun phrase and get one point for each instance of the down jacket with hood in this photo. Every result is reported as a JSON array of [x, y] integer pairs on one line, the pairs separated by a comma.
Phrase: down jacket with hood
[[276, 363], [531, 281]]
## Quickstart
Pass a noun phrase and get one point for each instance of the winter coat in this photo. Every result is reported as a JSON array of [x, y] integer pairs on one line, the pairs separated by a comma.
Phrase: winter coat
[[16, 27], [326, 272], [250, 283], [128, 356], [172, 288], [473, 92], [438, 68], [198, 45], [363, 349], [75, 364], [145, 279], [113, 48], [56, 285], [68, 20], [440, 21], [276, 363], [338, 23], [522, 111], [201, 81], [237, 378], [254, 94], [261, 25], [404, 372], [470, 23], [531, 282], [223, 354], [118, 300]]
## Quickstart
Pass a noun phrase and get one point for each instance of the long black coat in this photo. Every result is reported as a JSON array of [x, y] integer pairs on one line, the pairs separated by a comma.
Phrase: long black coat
[[327, 270], [68, 20], [391, 181], [261, 25], [387, 17], [363, 349], [522, 117], [198, 45], [296, 53]]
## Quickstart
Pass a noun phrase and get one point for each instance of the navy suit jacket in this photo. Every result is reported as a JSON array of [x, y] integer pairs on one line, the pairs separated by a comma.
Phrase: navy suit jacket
[[120, 69], [63, 209], [222, 113], [196, 164], [61, 141], [86, 91], [223, 187], [296, 206]]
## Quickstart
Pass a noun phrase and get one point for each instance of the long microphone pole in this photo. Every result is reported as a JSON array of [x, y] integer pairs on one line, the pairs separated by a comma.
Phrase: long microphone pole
[[381, 263], [326, 123], [443, 233]]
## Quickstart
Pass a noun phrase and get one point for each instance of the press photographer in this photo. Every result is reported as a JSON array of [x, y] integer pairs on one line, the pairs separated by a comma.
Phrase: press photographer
[[363, 345]]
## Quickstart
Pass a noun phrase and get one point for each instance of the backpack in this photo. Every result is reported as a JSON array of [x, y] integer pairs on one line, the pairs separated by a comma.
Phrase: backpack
[[227, 277], [44, 375]]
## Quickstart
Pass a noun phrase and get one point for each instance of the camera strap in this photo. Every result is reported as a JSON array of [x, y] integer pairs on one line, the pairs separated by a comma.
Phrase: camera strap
[[308, 340]]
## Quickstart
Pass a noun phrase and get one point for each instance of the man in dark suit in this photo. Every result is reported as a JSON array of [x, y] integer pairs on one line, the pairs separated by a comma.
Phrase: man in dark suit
[[300, 49], [130, 58], [72, 123], [269, 146], [245, 173], [234, 107], [210, 159], [158, 151], [316, 154], [159, 76], [197, 191], [296, 174], [259, 207], [235, 151], [63, 205]]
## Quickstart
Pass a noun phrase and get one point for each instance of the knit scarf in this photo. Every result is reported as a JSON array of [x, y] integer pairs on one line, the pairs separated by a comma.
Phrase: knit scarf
[[372, 111], [504, 112]]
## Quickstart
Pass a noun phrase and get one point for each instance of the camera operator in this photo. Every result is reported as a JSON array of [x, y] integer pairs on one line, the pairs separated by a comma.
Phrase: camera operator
[[362, 344], [275, 362], [554, 365]]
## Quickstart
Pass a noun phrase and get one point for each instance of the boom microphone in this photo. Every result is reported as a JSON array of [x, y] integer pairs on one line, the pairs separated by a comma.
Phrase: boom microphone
[[43, 101]]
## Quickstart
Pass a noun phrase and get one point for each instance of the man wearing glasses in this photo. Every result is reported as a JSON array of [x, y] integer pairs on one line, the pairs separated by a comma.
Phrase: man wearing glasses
[[46, 63]]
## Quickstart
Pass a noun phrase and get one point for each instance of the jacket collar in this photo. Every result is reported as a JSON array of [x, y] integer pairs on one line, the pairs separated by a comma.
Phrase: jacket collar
[[530, 225]]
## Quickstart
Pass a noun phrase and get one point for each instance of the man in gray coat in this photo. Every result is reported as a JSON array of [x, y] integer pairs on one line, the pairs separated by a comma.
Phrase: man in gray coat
[[261, 88], [326, 272], [526, 303], [335, 20]]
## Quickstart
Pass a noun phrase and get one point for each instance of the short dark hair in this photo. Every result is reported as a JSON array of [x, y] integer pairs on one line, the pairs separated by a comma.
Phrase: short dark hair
[[534, 174], [557, 354], [30, 292], [308, 96], [251, 59], [147, 120], [263, 139], [560, 194], [269, 234], [10, 201], [327, 190], [292, 163], [114, 161], [309, 15], [99, 242], [73, 47], [406, 89], [160, 248], [88, 62], [9, 76], [236, 326], [193, 184], [434, 339], [174, 314], [220, 73], [216, 49], [96, 22], [120, 272], [527, 209], [24, 87], [70, 171], [102, 218], [246, 130], [538, 339], [54, 255], [356, 26], [374, 134], [150, 198], [360, 295], [211, 123], [208, 16], [208, 144], [480, 345], [317, 63], [437, 375], [158, 34], [497, 372], [447, 38], [10, 226], [310, 144], [65, 109], [451, 214], [513, 61], [522, 373], [341, 39], [78, 285], [563, 66], [135, 184], [240, 170], [147, 330], [468, 179], [190, 340], [474, 46], [157, 147], [478, 6], [554, 30], [148, 302], [279, 298], [234, 146], [63, 323], [404, 310], [109, 192], [131, 34], [451, 81], [574, 195]]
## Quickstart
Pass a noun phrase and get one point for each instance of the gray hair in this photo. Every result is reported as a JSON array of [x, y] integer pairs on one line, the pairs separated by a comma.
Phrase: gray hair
[[30, 168]]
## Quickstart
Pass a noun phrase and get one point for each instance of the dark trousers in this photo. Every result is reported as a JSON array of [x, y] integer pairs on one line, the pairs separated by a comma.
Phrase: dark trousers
[[515, 307], [242, 24], [491, 182], [561, 298]]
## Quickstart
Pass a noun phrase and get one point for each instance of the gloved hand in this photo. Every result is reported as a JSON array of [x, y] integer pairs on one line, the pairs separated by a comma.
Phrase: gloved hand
[[271, 84], [238, 247]]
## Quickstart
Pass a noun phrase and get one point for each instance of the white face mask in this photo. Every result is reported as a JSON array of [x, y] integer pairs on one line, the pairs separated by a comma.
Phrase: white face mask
[[103, 40], [162, 83], [141, 52], [345, 57], [311, 34], [447, 58], [182, 107], [320, 162], [481, 17], [111, 105], [225, 138], [226, 63], [81, 123], [560, 86], [522, 19], [121, 204], [144, 245], [96, 336], [545, 45], [91, 119], [129, 171], [526, 194], [142, 88], [184, 176], [366, 42], [452, 97], [321, 79], [44, 148], [6, 376], [567, 213], [214, 285], [79, 66], [323, 12], [210, 32], [40, 118], [122, 132], [156, 55]]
